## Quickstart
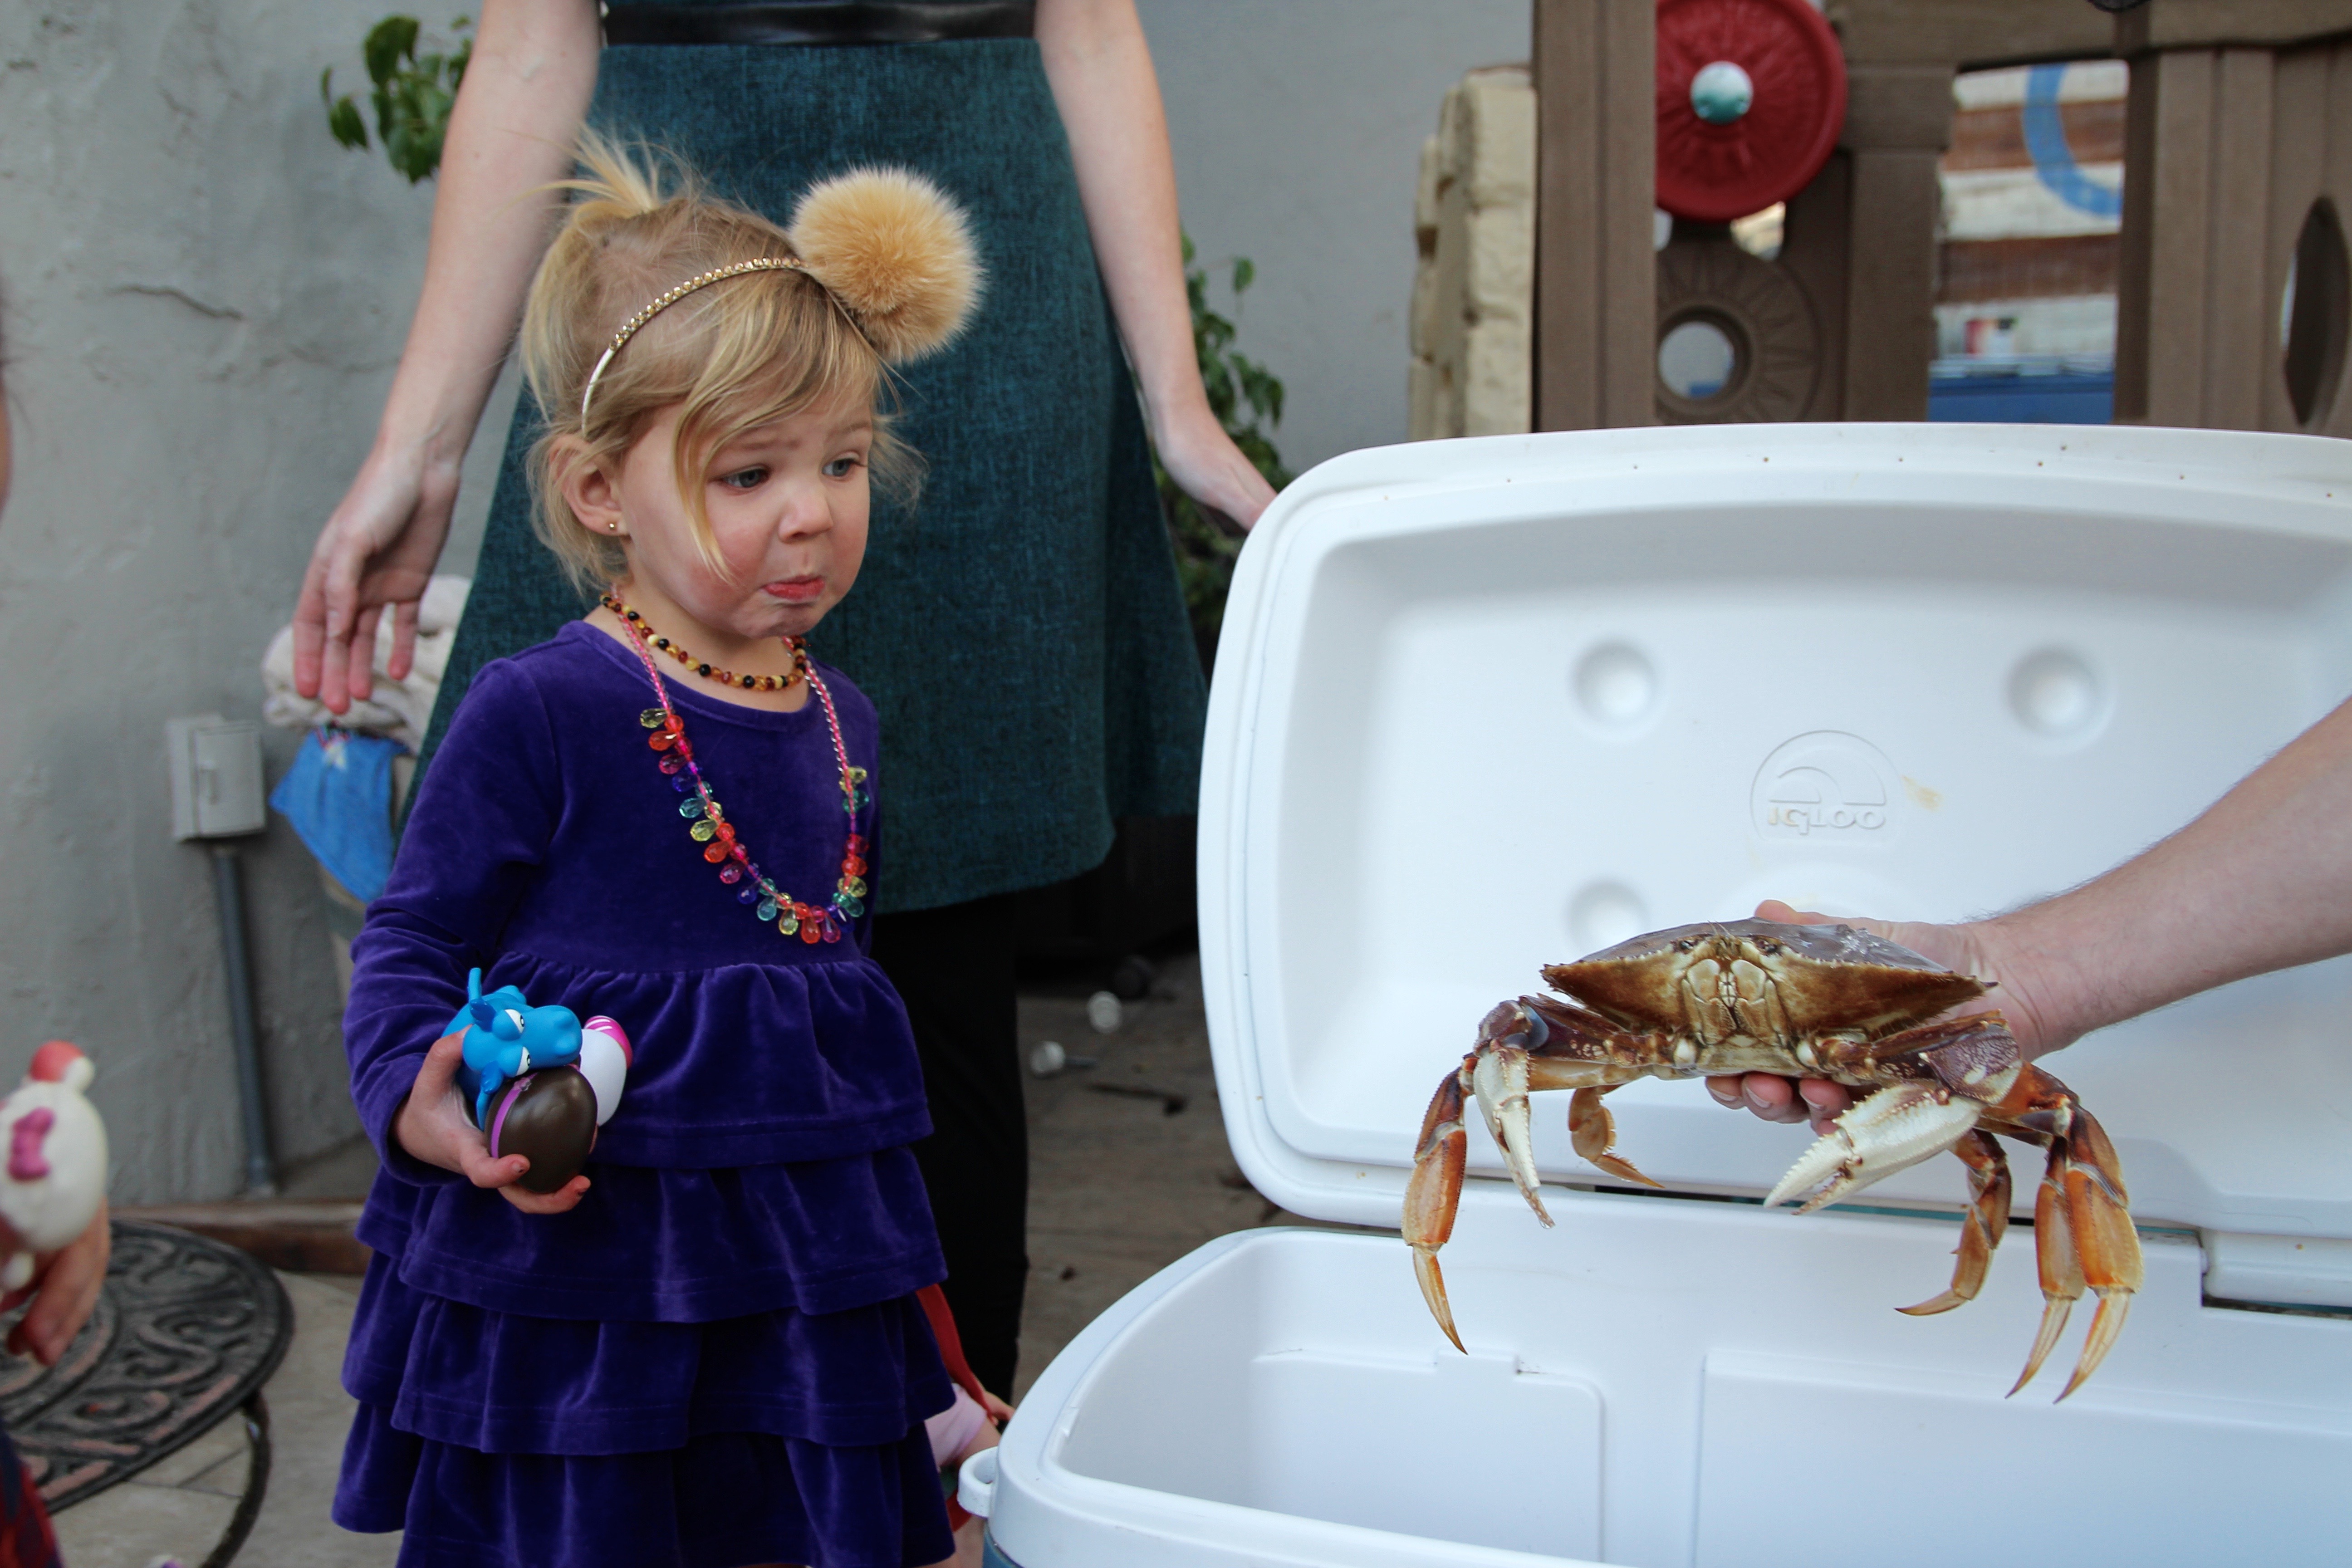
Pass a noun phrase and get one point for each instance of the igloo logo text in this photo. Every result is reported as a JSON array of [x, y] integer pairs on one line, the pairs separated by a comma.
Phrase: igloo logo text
[[1825, 784]]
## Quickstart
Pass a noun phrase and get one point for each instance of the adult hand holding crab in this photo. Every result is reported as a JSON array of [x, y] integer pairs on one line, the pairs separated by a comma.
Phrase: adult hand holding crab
[[2261, 881], [1981, 948]]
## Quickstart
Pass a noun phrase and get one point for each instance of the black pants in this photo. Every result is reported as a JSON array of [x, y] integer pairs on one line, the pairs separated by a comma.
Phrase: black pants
[[954, 967]]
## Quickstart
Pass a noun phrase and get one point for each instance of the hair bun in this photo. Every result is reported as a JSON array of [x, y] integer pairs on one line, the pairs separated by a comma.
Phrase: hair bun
[[896, 251]]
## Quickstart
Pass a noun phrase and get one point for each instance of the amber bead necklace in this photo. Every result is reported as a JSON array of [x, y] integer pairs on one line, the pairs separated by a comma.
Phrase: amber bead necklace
[[703, 668]]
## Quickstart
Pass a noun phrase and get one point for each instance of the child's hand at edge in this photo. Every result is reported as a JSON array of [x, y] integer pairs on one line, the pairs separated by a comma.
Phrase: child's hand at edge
[[433, 1126], [969, 1552], [63, 1291]]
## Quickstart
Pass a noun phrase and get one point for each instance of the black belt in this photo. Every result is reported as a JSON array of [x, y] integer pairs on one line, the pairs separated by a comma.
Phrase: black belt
[[823, 22]]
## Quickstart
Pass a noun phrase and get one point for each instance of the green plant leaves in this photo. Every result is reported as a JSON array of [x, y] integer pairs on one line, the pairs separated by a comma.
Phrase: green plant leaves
[[343, 121], [412, 96], [388, 43]]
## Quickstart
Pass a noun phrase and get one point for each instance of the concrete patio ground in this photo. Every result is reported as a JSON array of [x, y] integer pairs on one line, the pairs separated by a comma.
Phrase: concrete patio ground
[[1130, 1171]]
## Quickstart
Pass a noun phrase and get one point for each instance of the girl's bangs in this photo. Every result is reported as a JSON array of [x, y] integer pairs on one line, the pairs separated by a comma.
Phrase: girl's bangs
[[766, 359]]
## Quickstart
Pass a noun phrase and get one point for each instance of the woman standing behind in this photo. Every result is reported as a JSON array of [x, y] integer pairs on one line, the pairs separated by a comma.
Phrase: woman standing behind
[[1024, 641]]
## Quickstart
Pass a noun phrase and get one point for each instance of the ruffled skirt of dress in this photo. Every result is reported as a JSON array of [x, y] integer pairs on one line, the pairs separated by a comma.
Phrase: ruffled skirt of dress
[[496, 1440]]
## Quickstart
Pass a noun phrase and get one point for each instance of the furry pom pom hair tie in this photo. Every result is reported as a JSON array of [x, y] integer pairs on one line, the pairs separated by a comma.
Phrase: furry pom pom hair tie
[[888, 246]]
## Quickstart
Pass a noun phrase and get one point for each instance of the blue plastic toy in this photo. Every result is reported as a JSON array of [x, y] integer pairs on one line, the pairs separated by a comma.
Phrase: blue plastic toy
[[506, 1037]]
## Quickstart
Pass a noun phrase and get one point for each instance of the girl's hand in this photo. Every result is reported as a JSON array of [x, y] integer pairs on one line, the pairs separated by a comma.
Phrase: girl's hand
[[1206, 465], [433, 1126], [1977, 949], [970, 1552], [64, 1290], [376, 552]]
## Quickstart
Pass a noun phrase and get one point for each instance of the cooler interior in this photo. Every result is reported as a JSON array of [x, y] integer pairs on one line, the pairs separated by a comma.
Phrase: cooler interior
[[1661, 1382]]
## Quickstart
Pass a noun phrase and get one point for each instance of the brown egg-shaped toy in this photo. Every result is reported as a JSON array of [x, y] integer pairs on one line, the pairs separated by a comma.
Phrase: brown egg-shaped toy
[[550, 1119]]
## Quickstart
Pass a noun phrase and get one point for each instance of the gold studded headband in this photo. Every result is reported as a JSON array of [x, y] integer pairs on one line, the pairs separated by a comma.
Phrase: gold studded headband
[[664, 302]]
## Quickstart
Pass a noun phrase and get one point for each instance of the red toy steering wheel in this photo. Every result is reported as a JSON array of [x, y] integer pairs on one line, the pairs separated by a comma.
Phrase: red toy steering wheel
[[1751, 97]]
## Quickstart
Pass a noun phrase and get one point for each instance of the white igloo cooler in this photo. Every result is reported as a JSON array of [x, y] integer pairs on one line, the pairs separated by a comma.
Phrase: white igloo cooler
[[1482, 705]]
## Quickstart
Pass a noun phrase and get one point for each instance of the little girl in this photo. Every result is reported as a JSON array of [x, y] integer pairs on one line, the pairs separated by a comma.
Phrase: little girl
[[706, 1349]]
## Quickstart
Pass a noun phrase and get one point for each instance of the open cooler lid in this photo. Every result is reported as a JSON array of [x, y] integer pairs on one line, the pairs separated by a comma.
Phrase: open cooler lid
[[1484, 705]]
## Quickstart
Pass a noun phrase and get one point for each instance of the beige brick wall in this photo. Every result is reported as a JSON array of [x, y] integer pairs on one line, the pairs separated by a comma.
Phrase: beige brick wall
[[1472, 296]]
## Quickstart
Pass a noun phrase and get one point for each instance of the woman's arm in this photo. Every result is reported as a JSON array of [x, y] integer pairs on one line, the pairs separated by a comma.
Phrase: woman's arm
[[518, 112], [2263, 880], [1100, 69]]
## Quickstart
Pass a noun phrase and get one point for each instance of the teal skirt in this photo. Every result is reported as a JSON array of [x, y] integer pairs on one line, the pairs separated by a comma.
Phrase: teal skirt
[[1019, 627]]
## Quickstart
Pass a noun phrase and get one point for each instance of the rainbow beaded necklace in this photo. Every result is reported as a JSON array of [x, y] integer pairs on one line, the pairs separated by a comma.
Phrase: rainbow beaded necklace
[[710, 829]]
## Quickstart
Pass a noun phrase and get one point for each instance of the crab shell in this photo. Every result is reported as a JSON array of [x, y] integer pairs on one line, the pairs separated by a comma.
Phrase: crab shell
[[1757, 983]]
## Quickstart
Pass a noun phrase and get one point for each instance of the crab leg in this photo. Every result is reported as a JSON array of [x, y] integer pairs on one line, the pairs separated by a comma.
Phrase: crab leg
[[2083, 1233], [1981, 1227], [1594, 1131], [2099, 1212], [2061, 1267], [1435, 1192]]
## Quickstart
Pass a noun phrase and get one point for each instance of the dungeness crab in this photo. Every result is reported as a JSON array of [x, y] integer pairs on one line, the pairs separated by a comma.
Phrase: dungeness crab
[[1826, 1001]]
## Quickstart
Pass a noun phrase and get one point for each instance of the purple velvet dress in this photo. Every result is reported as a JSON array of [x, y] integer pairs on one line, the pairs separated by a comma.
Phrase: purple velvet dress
[[716, 1358]]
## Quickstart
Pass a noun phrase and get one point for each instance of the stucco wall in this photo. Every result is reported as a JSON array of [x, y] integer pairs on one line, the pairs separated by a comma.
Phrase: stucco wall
[[207, 299], [1297, 126]]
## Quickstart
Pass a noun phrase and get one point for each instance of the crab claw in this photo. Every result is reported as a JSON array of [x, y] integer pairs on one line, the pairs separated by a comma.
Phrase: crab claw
[[1495, 1074], [1435, 1193], [1499, 1076], [1891, 1131]]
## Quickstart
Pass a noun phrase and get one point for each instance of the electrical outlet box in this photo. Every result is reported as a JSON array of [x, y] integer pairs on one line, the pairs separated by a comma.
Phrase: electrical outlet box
[[216, 777]]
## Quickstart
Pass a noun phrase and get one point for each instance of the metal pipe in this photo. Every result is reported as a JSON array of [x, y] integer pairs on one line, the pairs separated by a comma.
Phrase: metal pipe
[[228, 883]]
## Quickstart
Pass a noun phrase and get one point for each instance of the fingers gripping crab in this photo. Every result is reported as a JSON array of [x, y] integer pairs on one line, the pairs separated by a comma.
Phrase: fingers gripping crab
[[1826, 1001]]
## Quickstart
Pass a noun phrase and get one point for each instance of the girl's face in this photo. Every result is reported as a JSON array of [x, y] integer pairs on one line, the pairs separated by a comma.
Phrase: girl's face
[[787, 503]]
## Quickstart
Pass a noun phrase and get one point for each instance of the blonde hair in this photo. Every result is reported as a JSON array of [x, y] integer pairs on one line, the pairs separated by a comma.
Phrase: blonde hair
[[883, 271]]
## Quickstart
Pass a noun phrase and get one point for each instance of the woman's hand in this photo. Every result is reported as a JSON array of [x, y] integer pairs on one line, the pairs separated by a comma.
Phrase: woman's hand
[[1206, 465], [433, 1126], [1979, 947], [1099, 68], [511, 133], [64, 1289], [375, 553]]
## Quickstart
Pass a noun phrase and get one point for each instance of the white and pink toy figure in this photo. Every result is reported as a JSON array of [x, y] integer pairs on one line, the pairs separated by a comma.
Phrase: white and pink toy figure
[[605, 1057], [56, 1171]]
